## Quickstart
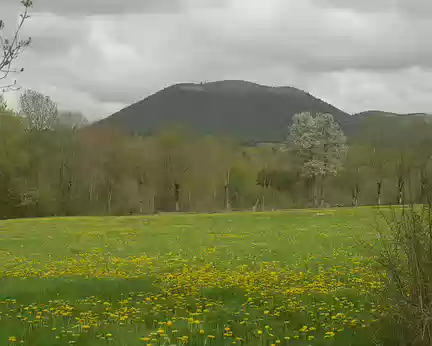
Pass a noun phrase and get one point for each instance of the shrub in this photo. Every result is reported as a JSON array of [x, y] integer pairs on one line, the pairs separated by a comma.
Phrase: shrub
[[407, 257]]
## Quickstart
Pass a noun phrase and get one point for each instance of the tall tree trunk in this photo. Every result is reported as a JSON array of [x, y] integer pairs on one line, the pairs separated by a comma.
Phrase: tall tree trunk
[[267, 186], [190, 200], [315, 191], [400, 197], [109, 201], [423, 186], [141, 194], [177, 196], [227, 190], [141, 207], [69, 209], [355, 195], [151, 201], [227, 197], [354, 199], [254, 208], [322, 192], [379, 188], [401, 174], [91, 190]]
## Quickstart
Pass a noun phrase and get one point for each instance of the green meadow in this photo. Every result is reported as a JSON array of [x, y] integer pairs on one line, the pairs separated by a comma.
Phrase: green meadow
[[279, 278]]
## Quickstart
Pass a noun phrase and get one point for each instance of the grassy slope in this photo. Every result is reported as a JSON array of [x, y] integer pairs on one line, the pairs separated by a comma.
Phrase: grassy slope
[[87, 252]]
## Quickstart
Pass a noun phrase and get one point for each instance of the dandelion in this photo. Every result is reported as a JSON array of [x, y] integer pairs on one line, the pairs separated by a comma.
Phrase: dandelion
[[329, 335], [303, 329]]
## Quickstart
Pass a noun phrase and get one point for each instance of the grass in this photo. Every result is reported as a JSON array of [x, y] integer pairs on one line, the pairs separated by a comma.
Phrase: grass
[[280, 278]]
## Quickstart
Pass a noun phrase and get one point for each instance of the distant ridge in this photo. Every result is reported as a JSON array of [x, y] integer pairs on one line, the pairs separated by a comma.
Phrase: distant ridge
[[390, 114], [246, 110]]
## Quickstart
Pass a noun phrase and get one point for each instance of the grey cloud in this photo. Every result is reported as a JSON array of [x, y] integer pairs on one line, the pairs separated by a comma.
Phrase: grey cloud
[[122, 94], [53, 38], [119, 7], [403, 91], [327, 41], [415, 8], [363, 6], [97, 7]]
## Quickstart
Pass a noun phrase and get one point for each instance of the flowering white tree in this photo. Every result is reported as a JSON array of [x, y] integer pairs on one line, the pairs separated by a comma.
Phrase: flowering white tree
[[320, 146], [41, 112]]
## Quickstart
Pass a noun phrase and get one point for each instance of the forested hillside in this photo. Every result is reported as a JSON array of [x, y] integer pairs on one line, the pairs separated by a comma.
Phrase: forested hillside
[[247, 111]]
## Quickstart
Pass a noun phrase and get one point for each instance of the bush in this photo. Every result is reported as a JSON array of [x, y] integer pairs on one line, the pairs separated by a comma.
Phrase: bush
[[407, 257]]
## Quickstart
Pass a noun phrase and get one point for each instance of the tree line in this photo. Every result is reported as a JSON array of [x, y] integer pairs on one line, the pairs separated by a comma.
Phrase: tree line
[[51, 164]]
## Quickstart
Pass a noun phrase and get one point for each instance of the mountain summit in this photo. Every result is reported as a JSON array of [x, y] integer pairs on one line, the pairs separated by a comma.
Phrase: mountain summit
[[246, 110]]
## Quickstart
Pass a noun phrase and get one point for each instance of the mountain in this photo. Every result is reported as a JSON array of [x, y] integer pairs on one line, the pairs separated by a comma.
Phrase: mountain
[[376, 113], [249, 111]]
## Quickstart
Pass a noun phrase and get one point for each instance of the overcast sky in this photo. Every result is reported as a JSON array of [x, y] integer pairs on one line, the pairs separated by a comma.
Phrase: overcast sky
[[98, 56]]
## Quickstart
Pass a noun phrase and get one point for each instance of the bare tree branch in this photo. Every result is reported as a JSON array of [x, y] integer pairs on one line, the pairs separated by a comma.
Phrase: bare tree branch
[[12, 48]]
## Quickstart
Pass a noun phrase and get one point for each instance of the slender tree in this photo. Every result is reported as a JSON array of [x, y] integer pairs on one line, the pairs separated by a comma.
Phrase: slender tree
[[353, 175]]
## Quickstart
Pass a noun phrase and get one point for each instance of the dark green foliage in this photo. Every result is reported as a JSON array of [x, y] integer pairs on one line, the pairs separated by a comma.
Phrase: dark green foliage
[[277, 179], [248, 111]]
